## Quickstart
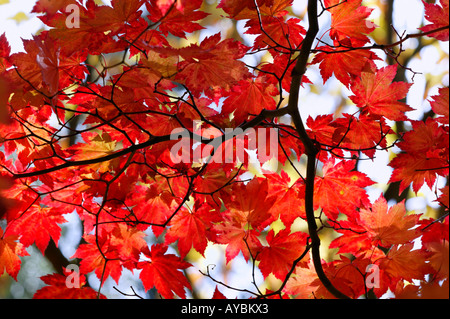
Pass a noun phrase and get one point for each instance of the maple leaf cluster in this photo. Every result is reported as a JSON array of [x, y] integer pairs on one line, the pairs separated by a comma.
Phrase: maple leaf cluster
[[96, 140]]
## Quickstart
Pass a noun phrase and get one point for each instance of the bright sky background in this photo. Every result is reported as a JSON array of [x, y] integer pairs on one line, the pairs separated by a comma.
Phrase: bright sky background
[[17, 22]]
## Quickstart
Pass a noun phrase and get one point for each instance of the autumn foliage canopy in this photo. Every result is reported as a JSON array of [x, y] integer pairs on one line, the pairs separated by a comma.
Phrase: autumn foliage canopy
[[91, 114]]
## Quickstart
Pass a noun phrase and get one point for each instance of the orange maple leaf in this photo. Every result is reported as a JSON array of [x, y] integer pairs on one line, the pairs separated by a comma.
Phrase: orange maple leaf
[[402, 262], [348, 21], [434, 290], [96, 147], [439, 258], [10, 250], [300, 285], [128, 241], [389, 226]]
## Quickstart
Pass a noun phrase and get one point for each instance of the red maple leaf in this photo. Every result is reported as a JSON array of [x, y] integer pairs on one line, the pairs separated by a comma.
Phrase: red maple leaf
[[439, 105], [165, 5], [4, 97], [152, 205], [246, 9], [213, 64], [58, 289], [321, 128], [438, 15], [280, 70], [97, 26], [271, 14], [250, 97], [425, 155], [104, 263], [176, 22], [52, 6], [218, 295], [375, 93], [290, 201], [214, 179], [252, 210], [283, 248], [345, 273], [345, 65], [162, 271], [439, 258], [37, 225], [191, 229], [444, 198], [45, 66], [237, 237], [277, 32], [132, 85], [5, 51], [341, 189], [355, 238], [244, 219], [364, 133]]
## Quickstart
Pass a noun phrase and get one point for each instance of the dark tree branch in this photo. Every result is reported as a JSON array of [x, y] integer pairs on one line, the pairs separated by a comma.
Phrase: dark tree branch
[[311, 150]]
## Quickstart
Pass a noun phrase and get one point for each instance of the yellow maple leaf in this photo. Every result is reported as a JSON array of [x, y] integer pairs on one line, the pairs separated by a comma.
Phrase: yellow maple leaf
[[97, 148], [20, 17]]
